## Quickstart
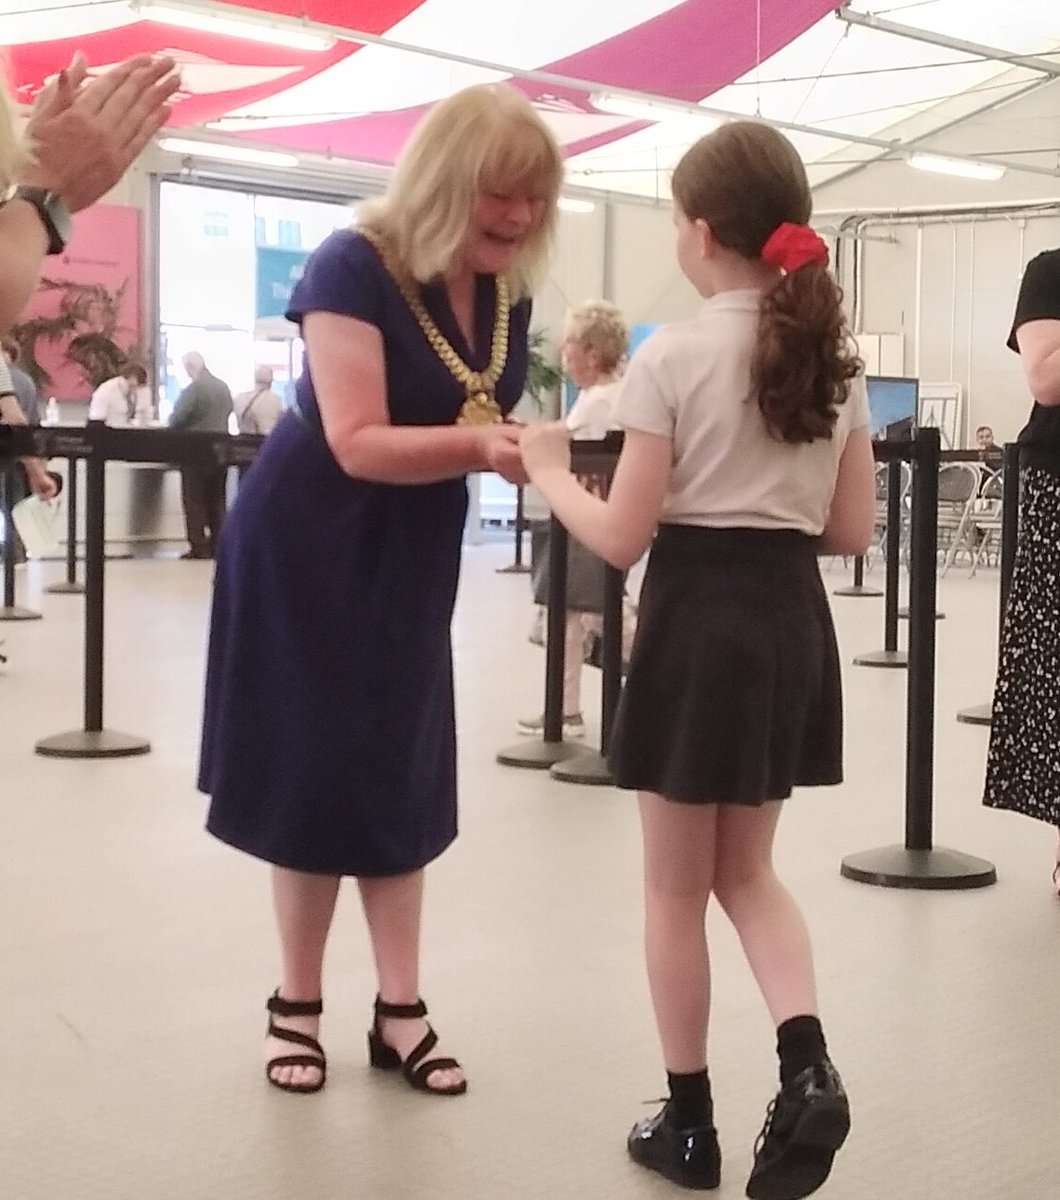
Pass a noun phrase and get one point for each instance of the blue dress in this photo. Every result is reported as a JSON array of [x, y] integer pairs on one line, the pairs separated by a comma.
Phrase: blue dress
[[329, 741]]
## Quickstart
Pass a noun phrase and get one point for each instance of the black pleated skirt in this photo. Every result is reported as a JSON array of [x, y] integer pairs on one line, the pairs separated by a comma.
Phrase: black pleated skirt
[[733, 694]]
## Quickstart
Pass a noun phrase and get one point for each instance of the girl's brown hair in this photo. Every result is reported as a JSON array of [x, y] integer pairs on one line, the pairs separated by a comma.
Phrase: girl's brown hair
[[744, 180]]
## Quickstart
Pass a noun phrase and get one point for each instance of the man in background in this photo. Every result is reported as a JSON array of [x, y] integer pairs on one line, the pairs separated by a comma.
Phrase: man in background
[[24, 388], [31, 473], [258, 411], [205, 406], [989, 450]]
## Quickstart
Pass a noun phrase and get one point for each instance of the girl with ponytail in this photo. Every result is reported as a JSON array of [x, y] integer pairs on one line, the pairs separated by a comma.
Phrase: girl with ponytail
[[746, 455]]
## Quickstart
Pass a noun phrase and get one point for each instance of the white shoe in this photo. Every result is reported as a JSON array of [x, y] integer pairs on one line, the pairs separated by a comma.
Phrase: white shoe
[[573, 725]]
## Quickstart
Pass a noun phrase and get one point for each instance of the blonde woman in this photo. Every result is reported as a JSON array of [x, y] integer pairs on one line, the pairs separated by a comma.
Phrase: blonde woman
[[595, 341], [328, 735]]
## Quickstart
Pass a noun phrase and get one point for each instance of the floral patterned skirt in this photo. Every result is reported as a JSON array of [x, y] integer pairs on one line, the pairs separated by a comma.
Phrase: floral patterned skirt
[[1023, 765]]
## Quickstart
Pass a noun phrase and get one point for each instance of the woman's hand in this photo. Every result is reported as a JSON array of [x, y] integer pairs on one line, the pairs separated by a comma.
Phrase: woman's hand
[[501, 452], [85, 134], [545, 445], [40, 479]]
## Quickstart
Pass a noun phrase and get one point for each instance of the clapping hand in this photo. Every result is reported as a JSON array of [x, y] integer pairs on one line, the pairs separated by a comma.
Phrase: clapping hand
[[85, 135]]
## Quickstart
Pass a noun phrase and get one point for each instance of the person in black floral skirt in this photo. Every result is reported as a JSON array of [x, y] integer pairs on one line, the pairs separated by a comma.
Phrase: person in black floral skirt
[[1023, 765]]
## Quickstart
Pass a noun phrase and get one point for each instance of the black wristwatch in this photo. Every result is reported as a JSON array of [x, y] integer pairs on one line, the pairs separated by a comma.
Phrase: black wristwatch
[[54, 215]]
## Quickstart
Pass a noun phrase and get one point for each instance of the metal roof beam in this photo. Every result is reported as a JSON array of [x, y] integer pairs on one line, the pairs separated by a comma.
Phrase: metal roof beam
[[992, 53]]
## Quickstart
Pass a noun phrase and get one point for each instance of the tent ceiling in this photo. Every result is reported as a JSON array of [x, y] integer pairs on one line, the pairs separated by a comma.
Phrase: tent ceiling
[[358, 101]]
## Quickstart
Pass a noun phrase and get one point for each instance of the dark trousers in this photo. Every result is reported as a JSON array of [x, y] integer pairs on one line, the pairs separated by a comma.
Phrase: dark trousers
[[203, 491]]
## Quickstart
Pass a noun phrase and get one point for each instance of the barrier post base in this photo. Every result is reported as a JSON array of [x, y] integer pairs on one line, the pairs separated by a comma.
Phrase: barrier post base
[[903, 615], [66, 589], [882, 658], [14, 612], [85, 743], [589, 767], [980, 714], [513, 569], [537, 756], [924, 870], [855, 590]]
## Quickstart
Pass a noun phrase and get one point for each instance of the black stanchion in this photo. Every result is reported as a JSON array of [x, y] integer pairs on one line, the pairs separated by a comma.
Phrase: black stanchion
[[918, 863], [552, 749], [93, 741], [858, 587], [890, 655], [10, 611], [590, 766], [70, 585], [517, 567], [983, 714]]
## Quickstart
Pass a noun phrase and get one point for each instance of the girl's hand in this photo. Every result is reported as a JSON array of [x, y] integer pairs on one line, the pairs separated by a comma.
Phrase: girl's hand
[[545, 445], [501, 452]]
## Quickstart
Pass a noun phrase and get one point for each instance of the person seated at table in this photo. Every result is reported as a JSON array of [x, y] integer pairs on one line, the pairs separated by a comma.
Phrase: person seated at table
[[989, 450], [123, 400]]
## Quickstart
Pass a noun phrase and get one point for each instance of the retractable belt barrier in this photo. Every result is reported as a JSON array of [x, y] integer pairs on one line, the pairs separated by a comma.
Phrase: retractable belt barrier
[[70, 585], [568, 762], [99, 444], [917, 862], [890, 655], [517, 567]]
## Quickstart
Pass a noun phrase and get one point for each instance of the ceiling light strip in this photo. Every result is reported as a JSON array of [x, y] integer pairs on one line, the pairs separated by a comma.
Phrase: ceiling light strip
[[189, 147]]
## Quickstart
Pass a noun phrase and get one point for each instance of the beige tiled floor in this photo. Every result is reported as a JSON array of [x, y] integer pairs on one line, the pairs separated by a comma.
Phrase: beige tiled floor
[[135, 954]]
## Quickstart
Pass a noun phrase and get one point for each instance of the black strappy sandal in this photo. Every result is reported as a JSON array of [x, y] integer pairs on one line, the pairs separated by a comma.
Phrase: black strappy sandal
[[417, 1068], [277, 1006]]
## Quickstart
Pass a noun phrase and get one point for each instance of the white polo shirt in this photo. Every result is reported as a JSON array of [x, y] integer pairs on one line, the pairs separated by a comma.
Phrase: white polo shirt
[[592, 413], [691, 382], [110, 402]]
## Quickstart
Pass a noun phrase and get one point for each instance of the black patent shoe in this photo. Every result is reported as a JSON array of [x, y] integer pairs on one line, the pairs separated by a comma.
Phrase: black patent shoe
[[690, 1157], [805, 1125]]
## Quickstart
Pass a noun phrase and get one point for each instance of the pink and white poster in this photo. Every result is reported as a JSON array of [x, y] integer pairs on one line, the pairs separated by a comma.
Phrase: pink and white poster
[[83, 325]]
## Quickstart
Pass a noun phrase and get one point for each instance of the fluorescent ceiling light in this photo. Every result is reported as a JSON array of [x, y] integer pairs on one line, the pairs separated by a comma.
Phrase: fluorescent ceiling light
[[239, 154], [572, 205], [963, 167], [651, 110], [289, 33]]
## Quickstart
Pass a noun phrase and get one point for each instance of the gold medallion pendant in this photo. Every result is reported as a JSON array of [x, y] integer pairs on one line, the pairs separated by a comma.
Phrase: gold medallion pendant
[[480, 407]]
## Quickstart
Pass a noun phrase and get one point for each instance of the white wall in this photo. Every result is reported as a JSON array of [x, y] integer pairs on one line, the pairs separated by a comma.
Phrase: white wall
[[1009, 131], [971, 263], [956, 316]]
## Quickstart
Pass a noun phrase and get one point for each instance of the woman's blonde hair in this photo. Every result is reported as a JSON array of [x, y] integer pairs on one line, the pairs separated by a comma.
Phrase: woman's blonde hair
[[599, 325], [483, 138]]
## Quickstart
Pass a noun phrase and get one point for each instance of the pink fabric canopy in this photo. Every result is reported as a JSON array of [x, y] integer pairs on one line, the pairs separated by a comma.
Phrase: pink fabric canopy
[[359, 102]]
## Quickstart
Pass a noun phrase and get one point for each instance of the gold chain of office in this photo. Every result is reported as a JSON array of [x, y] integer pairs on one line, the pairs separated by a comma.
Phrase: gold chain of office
[[480, 407]]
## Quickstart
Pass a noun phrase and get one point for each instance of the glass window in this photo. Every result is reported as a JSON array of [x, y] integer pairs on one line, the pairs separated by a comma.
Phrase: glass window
[[219, 291]]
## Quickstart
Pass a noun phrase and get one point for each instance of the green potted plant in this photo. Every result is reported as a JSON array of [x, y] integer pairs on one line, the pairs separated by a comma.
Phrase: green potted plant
[[543, 375]]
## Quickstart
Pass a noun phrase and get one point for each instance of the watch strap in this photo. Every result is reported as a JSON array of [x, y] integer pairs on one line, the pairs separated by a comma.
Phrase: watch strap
[[54, 215]]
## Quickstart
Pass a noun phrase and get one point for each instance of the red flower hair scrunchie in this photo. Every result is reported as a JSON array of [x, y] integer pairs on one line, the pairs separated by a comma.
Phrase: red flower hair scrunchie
[[792, 246]]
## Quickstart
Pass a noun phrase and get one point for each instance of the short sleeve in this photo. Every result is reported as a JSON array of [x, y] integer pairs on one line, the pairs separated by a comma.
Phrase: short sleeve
[[857, 404], [1039, 297], [343, 276], [646, 402]]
